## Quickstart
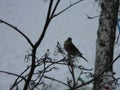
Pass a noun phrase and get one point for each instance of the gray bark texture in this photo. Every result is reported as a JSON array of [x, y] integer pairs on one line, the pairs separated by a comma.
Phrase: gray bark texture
[[105, 43]]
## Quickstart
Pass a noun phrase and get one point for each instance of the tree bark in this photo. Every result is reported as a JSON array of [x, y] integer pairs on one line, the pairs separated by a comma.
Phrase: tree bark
[[105, 43]]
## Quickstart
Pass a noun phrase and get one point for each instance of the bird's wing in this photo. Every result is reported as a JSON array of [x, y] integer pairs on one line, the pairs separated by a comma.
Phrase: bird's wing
[[74, 50]]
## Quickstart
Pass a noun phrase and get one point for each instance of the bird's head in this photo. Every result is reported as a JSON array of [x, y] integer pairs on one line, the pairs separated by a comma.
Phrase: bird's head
[[69, 39]]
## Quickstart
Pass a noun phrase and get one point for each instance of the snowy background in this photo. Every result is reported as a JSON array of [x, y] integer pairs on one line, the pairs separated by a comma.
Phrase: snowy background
[[29, 17]]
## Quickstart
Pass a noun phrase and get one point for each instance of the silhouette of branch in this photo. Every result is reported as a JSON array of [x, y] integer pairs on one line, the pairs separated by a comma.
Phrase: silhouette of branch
[[66, 8], [89, 17], [56, 5], [97, 76], [13, 74], [48, 19], [37, 44], [16, 29], [16, 81]]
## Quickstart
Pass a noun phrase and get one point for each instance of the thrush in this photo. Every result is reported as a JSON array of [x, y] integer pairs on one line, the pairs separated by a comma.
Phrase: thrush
[[71, 49]]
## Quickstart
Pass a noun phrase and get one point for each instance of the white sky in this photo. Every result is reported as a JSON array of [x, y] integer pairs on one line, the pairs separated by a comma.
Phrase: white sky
[[29, 17]]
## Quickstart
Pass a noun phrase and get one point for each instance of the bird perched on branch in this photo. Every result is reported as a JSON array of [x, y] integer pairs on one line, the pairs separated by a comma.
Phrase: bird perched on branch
[[72, 50]]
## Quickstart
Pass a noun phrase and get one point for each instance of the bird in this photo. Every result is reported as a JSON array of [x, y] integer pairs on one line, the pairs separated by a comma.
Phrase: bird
[[72, 50]]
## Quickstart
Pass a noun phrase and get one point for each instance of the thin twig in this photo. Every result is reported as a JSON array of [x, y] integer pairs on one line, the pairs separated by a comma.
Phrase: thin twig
[[16, 81], [20, 32], [89, 17], [66, 8], [13, 74]]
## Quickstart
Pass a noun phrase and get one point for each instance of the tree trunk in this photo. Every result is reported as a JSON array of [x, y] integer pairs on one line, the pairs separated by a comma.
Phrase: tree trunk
[[105, 43]]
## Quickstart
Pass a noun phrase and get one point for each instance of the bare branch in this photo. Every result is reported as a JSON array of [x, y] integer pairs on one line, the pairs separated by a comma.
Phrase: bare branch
[[16, 29], [13, 74], [46, 24], [56, 5], [96, 77], [89, 17], [16, 81], [67, 8]]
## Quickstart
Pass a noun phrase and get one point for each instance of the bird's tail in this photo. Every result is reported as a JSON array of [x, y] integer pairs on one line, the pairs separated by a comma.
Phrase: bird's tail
[[84, 58]]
